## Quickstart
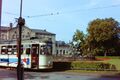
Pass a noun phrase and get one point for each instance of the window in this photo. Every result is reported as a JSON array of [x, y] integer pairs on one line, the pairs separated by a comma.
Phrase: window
[[45, 50], [49, 48], [3, 36], [9, 49], [63, 52], [34, 49], [3, 50], [27, 50], [41, 50], [50, 38], [13, 36], [60, 51], [14, 49], [28, 34], [57, 51]]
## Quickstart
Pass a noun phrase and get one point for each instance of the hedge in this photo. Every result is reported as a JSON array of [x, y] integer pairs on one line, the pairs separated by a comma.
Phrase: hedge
[[96, 66]]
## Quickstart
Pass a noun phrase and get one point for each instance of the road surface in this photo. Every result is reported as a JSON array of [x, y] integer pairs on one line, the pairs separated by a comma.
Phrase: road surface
[[11, 75]]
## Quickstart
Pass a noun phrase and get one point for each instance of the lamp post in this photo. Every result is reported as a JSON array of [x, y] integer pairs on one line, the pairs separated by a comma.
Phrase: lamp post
[[21, 23]]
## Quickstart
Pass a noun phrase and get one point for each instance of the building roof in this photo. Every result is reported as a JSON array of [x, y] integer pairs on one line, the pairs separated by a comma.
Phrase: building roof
[[39, 31], [4, 28], [62, 44], [42, 32]]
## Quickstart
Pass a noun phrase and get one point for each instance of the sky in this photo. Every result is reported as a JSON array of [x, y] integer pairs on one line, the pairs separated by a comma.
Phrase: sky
[[61, 17]]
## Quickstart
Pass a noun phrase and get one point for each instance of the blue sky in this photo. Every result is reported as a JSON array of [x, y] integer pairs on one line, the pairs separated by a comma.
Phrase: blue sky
[[69, 15]]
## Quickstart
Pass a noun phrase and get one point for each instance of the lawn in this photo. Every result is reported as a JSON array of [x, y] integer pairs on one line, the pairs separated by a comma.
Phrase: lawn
[[115, 62], [112, 60]]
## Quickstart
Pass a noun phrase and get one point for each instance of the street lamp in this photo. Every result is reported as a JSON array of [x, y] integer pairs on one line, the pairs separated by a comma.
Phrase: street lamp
[[21, 23]]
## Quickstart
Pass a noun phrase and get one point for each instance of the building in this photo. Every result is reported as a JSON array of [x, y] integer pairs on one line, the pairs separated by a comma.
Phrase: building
[[10, 35], [63, 49], [4, 32]]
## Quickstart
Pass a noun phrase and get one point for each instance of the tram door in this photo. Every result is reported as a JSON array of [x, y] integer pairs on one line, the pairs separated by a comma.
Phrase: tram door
[[35, 55]]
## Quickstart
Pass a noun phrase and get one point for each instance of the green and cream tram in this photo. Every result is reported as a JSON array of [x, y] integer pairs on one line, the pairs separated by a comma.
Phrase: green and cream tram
[[33, 55]]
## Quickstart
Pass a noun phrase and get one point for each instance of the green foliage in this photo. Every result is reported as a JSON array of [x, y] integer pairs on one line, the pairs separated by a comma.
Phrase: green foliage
[[102, 36], [90, 66], [86, 65], [78, 36], [79, 39], [101, 30]]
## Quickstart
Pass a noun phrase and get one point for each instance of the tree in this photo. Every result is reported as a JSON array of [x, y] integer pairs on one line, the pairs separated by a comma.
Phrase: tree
[[78, 41], [78, 36], [102, 36]]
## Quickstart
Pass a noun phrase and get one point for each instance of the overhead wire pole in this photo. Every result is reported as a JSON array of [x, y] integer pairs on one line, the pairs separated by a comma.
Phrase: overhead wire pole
[[21, 23], [0, 17]]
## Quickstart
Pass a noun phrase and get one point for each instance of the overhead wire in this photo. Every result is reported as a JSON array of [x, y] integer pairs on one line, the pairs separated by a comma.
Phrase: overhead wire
[[66, 12], [73, 11]]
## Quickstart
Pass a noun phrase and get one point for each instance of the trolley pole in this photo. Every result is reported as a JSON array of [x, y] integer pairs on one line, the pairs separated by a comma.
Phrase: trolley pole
[[21, 22]]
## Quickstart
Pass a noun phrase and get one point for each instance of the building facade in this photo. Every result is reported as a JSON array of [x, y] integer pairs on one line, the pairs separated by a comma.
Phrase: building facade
[[11, 34], [3, 33], [63, 49]]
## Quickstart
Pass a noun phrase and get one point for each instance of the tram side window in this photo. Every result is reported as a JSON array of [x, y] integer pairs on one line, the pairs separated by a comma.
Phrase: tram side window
[[28, 51], [9, 49], [45, 50], [14, 49], [3, 50], [42, 50], [49, 50]]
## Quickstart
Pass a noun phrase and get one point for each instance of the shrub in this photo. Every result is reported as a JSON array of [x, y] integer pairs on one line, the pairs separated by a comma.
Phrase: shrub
[[90, 66], [86, 65]]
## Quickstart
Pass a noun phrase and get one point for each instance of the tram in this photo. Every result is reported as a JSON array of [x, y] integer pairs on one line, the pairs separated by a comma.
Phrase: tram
[[33, 55]]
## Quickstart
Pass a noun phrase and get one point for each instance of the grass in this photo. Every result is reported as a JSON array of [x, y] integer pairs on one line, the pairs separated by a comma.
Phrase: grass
[[111, 57], [99, 73], [95, 73], [88, 71], [115, 60]]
